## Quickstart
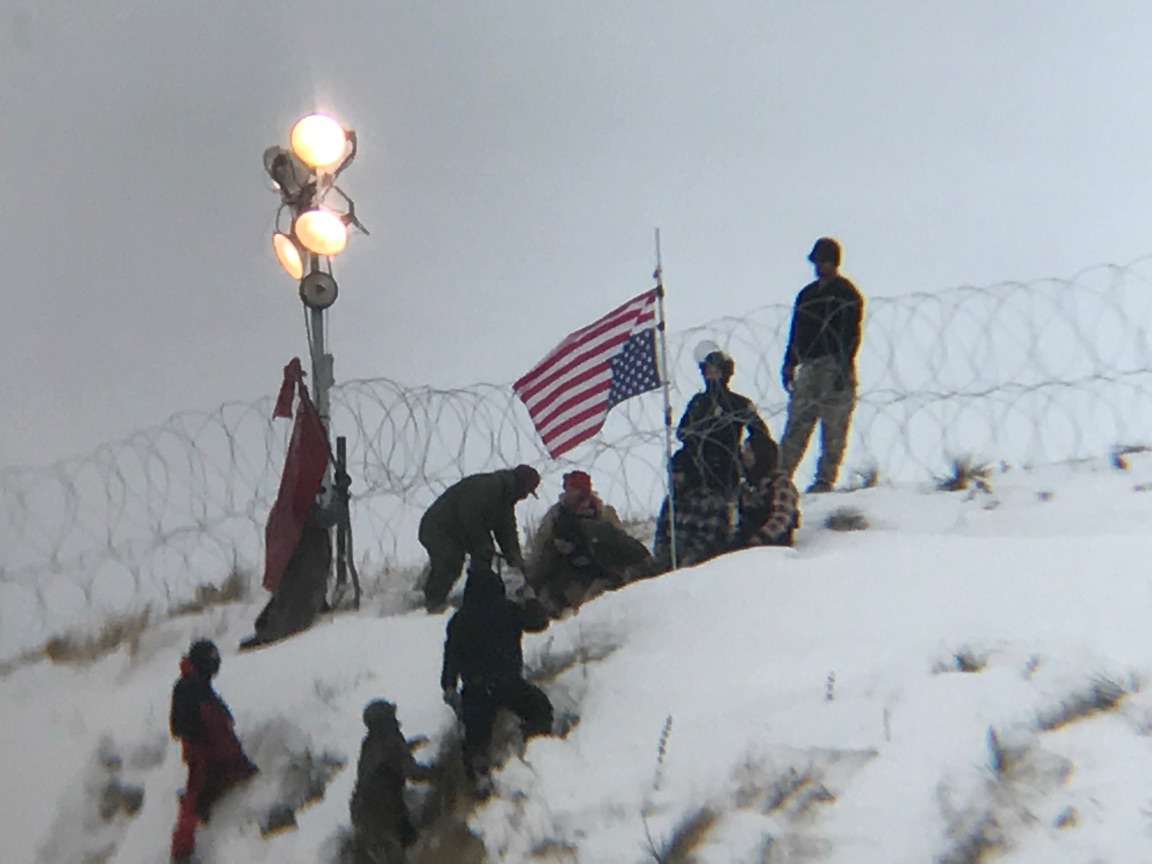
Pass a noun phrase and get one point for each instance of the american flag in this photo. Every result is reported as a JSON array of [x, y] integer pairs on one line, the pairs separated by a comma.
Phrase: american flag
[[569, 393]]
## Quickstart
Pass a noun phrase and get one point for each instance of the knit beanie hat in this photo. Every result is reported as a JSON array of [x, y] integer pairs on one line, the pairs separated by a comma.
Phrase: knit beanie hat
[[581, 480]]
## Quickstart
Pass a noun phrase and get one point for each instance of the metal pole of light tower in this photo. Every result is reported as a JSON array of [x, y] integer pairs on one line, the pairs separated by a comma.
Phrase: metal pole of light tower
[[322, 380]]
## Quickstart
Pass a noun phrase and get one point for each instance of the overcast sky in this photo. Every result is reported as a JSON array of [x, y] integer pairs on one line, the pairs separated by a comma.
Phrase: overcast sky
[[515, 160]]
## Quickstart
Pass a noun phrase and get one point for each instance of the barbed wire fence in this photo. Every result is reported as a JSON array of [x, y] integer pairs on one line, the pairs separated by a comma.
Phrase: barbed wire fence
[[1027, 373]]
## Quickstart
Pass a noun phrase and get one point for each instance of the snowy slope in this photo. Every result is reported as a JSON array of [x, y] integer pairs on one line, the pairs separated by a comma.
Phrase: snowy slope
[[964, 677]]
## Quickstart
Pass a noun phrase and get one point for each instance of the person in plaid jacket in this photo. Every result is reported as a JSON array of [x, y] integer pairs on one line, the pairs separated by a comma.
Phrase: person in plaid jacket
[[702, 525], [769, 502]]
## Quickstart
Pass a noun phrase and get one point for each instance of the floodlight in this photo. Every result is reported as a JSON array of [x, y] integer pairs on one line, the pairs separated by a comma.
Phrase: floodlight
[[287, 171], [321, 231], [319, 141], [288, 254]]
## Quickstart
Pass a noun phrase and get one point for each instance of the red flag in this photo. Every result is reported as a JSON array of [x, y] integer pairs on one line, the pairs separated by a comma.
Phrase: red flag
[[304, 466], [569, 393]]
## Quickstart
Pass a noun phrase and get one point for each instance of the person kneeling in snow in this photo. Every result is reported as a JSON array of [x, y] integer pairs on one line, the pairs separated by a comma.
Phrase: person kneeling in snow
[[769, 502], [203, 724], [381, 824], [483, 650], [581, 549]]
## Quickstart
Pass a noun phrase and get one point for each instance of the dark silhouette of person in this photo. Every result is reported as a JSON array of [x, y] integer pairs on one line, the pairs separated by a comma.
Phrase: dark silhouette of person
[[483, 650]]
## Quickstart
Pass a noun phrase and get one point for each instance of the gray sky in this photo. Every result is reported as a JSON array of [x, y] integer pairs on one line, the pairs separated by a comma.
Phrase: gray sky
[[515, 158]]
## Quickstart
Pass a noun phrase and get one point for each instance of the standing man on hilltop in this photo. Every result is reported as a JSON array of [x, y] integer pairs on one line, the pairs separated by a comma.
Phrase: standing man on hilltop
[[819, 369]]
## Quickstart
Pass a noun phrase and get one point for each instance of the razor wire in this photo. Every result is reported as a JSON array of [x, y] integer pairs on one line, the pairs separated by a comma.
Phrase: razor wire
[[1033, 373]]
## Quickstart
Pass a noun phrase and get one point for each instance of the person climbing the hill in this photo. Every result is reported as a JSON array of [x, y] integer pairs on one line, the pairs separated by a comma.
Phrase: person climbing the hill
[[201, 721], [483, 650], [382, 827]]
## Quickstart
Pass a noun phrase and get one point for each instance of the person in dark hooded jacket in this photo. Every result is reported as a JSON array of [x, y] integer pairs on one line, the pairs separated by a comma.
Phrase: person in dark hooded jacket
[[714, 422], [463, 520], [202, 722], [712, 428], [483, 650]]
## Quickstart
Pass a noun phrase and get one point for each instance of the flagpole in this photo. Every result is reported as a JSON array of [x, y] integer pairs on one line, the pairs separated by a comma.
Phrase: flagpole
[[661, 331]]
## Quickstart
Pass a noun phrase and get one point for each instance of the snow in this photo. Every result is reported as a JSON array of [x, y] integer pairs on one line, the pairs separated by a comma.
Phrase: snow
[[814, 699]]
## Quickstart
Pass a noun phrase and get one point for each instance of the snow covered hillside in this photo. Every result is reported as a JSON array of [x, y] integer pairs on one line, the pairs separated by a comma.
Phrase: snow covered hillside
[[963, 680]]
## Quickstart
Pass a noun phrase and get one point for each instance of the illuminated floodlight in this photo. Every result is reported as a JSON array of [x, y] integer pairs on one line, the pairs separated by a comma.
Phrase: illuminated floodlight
[[288, 254], [318, 141], [322, 231]]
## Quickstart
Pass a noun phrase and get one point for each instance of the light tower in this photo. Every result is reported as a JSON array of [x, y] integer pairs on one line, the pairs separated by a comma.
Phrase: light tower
[[312, 227]]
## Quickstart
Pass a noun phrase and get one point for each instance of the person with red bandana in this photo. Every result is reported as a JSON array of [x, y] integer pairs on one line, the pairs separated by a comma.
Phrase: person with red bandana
[[581, 549], [209, 746]]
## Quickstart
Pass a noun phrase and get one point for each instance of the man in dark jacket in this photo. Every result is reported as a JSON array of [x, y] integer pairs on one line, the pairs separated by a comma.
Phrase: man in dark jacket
[[209, 746], [712, 429], [381, 824], [713, 425], [819, 370], [462, 521], [483, 650]]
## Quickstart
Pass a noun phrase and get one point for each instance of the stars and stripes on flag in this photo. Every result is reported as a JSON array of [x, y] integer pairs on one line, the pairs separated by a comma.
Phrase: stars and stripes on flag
[[569, 393]]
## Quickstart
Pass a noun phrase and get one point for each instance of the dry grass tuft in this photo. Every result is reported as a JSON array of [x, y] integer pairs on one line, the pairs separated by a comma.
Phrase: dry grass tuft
[[1101, 696], [977, 844], [688, 836], [233, 589], [962, 660], [964, 473], [550, 664], [80, 649], [846, 519], [555, 850]]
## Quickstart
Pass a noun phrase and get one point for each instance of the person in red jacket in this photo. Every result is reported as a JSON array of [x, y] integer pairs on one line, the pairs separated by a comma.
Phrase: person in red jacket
[[203, 724]]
